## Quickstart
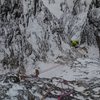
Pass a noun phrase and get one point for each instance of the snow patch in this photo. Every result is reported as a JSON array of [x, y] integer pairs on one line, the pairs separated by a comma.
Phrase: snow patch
[[54, 7], [93, 52], [13, 91]]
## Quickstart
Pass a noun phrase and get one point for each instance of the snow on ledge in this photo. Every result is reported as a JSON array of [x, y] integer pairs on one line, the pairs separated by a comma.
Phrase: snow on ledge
[[54, 7]]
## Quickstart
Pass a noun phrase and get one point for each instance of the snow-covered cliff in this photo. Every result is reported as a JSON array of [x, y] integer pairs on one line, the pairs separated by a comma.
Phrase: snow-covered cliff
[[60, 38], [42, 30]]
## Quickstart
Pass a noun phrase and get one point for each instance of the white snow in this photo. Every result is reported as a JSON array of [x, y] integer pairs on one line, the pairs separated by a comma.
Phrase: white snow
[[89, 70], [13, 91], [93, 52], [54, 8]]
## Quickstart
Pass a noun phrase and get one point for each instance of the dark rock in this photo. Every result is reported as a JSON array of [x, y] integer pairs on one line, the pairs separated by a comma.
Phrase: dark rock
[[13, 79]]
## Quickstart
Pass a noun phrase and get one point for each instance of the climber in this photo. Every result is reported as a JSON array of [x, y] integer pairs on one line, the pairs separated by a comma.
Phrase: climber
[[36, 72]]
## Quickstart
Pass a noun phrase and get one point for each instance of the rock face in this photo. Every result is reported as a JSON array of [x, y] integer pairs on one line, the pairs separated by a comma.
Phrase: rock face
[[91, 32], [32, 31], [79, 6], [29, 32], [45, 88]]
